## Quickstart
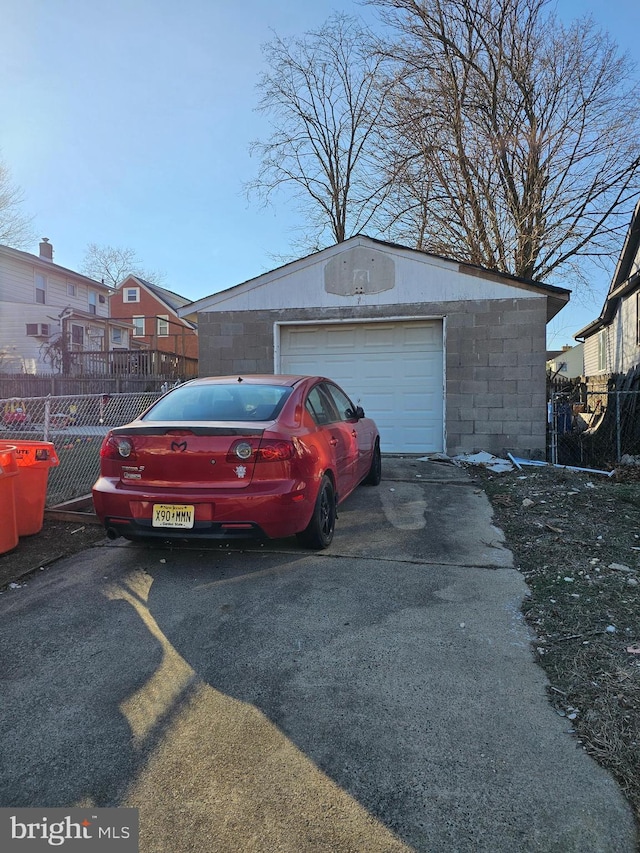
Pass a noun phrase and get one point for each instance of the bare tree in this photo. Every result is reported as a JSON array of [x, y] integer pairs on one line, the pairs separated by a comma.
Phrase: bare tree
[[514, 139], [15, 227], [112, 264], [324, 101]]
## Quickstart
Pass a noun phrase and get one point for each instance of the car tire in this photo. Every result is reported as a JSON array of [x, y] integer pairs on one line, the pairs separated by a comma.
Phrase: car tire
[[375, 472], [319, 532]]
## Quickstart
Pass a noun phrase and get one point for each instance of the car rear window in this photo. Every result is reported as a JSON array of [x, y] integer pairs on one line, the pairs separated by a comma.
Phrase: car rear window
[[235, 402]]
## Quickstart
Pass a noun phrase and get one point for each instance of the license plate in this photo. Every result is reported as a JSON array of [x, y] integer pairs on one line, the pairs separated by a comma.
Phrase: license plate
[[172, 515]]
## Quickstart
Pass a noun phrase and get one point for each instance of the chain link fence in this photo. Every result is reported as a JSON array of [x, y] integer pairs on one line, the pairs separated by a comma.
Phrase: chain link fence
[[76, 425], [587, 428], [593, 428]]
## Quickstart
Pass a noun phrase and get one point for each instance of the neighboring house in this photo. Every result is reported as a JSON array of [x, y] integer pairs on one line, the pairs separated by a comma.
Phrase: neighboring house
[[50, 315], [446, 356], [153, 312], [568, 363], [612, 342]]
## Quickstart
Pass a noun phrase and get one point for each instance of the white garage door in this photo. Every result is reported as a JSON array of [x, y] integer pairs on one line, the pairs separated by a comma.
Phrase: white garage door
[[393, 369]]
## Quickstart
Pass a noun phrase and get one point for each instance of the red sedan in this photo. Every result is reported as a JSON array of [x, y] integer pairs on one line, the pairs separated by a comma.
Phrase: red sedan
[[237, 457]]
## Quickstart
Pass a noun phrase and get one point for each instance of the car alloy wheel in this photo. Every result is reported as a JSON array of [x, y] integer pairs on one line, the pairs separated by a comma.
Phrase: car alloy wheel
[[320, 530]]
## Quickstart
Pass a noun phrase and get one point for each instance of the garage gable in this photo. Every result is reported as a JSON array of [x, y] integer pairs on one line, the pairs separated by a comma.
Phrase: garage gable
[[365, 271]]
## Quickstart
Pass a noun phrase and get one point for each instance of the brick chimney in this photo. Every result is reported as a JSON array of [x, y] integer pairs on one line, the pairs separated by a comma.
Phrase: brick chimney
[[46, 249]]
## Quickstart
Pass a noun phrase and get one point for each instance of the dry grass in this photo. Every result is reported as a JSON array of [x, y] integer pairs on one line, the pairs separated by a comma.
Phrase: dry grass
[[578, 547]]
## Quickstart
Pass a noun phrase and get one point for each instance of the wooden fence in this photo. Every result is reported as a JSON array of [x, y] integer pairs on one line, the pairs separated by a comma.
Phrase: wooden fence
[[143, 362], [104, 372]]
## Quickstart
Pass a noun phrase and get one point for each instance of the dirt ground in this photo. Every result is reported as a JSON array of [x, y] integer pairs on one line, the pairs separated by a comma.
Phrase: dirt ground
[[56, 539], [576, 540]]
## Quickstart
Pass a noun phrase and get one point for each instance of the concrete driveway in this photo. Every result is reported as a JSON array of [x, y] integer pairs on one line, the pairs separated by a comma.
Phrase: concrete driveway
[[378, 696]]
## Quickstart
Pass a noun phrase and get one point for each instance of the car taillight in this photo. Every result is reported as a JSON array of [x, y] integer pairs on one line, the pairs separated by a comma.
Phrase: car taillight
[[117, 447], [275, 450], [267, 450]]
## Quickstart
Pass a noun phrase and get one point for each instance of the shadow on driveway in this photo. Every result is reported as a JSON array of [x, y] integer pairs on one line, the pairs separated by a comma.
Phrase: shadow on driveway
[[275, 699]]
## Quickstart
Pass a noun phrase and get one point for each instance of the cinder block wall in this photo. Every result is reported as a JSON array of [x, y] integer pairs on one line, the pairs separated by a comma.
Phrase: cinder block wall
[[496, 381], [495, 351]]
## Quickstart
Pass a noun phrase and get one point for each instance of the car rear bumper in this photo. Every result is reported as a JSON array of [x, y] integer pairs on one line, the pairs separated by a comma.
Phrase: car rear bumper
[[281, 510]]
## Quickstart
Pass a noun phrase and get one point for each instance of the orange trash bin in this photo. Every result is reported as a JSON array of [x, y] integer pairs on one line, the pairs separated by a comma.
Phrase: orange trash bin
[[8, 475], [34, 458]]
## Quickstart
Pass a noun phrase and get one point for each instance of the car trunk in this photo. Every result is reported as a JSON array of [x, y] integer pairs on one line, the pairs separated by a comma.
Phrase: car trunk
[[195, 458]]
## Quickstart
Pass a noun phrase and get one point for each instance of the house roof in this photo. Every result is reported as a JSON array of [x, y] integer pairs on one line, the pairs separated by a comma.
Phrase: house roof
[[623, 282], [43, 263], [558, 296], [172, 300]]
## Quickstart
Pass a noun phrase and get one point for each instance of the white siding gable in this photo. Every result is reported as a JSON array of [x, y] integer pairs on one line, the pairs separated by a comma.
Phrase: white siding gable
[[304, 284], [626, 352]]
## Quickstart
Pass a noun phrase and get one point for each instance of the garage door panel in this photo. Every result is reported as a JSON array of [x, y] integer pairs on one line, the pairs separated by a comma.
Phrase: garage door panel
[[373, 338], [420, 402], [414, 439], [304, 365], [377, 368], [380, 403], [303, 339], [339, 338], [340, 367], [426, 367], [393, 369], [421, 337]]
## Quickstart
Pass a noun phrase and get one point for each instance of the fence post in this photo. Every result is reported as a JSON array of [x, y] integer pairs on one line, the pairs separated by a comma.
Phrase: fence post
[[618, 428], [47, 418], [552, 417]]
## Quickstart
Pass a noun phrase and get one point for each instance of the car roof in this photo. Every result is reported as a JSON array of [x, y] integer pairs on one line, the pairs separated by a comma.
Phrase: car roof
[[251, 379]]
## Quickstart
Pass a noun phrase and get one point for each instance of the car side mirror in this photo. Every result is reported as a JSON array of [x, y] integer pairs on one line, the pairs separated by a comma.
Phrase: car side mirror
[[359, 412]]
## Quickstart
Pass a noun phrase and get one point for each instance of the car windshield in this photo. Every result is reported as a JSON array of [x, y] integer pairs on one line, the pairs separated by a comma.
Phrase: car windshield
[[235, 402]]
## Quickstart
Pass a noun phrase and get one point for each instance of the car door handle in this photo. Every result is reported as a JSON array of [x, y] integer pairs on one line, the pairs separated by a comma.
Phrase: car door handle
[[333, 441]]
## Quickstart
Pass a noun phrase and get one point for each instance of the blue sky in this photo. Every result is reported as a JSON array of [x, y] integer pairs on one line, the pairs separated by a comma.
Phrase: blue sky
[[128, 123]]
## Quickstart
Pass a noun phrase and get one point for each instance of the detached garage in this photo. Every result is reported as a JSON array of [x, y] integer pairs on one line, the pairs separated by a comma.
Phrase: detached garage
[[445, 356]]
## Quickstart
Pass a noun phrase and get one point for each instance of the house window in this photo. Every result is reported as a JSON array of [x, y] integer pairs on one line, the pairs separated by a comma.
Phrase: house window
[[132, 294], [116, 336], [603, 353], [163, 326], [77, 335], [93, 301], [72, 290], [41, 288], [138, 326]]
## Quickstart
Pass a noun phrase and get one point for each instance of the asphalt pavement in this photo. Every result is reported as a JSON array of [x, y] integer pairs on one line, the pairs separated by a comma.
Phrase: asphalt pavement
[[381, 695]]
